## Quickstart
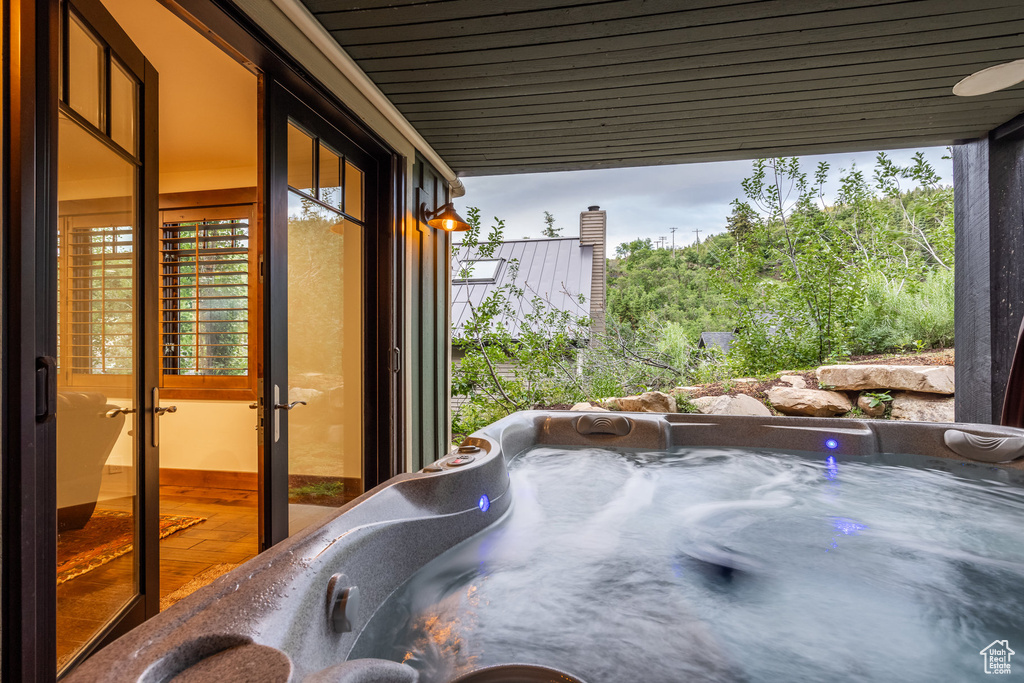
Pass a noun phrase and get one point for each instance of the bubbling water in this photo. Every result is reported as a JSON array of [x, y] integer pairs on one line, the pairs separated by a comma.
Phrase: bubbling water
[[722, 565]]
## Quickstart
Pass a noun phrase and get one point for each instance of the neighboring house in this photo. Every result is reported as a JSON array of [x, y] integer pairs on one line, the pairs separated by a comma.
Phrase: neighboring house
[[718, 340], [557, 270], [724, 340]]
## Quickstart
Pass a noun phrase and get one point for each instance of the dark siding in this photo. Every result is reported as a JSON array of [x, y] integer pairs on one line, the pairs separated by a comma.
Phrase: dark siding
[[1006, 216], [534, 85], [973, 336], [989, 205], [428, 253]]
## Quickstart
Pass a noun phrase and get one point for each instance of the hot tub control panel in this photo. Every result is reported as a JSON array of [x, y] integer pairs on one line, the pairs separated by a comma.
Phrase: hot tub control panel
[[463, 455]]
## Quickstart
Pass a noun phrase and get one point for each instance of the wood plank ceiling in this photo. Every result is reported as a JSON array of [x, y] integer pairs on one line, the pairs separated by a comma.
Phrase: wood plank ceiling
[[515, 86]]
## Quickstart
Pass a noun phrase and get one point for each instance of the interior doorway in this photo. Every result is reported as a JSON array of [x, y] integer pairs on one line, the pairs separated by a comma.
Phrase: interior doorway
[[209, 298]]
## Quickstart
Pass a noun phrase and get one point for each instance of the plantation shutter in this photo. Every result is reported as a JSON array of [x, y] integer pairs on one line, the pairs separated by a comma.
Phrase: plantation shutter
[[205, 303], [99, 294]]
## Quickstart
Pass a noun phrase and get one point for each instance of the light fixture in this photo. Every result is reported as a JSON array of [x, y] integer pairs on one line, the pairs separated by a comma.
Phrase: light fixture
[[444, 218], [991, 79]]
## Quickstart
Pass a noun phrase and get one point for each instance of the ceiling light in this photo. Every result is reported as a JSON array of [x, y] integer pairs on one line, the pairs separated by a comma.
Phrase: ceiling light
[[991, 79]]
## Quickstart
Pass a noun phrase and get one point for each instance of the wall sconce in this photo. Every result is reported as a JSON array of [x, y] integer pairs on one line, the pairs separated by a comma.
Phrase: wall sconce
[[443, 218]]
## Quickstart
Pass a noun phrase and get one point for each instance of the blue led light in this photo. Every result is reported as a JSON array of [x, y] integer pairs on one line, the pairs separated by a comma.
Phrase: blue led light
[[484, 503], [831, 444]]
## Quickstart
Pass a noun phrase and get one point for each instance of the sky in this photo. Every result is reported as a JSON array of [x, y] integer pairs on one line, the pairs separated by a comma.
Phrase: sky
[[644, 202]]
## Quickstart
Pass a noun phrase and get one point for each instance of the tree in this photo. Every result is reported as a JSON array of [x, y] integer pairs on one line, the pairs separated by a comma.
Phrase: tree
[[549, 226]]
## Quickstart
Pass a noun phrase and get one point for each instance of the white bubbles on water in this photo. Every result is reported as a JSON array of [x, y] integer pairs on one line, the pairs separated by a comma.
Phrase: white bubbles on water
[[722, 565]]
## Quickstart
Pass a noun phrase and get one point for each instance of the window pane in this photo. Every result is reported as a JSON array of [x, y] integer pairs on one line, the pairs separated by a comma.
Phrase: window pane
[[123, 108], [330, 177], [96, 451], [300, 160], [353, 191], [85, 59], [205, 297], [325, 360]]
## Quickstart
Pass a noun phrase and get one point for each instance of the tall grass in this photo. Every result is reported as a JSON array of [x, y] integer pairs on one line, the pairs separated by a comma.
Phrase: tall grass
[[918, 316]]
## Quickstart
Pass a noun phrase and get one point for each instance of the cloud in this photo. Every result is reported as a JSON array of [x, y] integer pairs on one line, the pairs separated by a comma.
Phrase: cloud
[[642, 202]]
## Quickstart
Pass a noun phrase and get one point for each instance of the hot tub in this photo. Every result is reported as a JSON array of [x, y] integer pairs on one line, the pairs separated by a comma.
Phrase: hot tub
[[677, 521]]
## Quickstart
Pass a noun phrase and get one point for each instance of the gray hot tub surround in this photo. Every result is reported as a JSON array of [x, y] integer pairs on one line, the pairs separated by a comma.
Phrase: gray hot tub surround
[[294, 612]]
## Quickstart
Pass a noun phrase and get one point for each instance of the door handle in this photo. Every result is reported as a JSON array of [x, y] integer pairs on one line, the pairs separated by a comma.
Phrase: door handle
[[157, 412], [46, 388], [114, 412], [278, 406]]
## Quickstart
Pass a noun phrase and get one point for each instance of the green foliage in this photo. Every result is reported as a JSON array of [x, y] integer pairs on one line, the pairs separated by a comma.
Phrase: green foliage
[[813, 282], [876, 398], [685, 405], [549, 226], [674, 287]]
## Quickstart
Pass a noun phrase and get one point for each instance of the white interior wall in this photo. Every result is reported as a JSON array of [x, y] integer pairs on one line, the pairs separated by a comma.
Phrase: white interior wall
[[201, 435]]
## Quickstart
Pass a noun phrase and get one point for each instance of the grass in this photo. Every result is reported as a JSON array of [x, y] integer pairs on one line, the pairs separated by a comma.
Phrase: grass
[[322, 488]]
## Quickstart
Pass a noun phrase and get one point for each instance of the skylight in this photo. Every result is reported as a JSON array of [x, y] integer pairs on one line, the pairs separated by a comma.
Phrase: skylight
[[481, 270]]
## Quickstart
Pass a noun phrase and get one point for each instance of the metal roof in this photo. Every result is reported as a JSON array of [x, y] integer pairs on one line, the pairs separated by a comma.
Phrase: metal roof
[[722, 340], [538, 85], [556, 270]]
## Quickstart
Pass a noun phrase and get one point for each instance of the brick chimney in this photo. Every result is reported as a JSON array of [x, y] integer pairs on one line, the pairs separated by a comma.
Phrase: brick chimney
[[593, 226]]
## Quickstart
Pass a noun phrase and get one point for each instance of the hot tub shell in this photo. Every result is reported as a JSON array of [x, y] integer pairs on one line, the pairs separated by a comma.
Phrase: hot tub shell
[[276, 607]]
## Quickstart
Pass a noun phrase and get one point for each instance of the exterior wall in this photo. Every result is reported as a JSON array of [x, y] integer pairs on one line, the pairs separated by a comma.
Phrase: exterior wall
[[427, 264], [593, 229], [989, 205]]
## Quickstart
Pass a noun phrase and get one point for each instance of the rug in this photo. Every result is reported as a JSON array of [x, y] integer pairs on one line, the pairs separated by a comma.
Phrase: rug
[[200, 580], [107, 536]]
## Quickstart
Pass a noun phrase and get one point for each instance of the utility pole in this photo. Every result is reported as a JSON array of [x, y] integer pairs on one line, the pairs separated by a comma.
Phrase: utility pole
[[673, 231], [698, 242]]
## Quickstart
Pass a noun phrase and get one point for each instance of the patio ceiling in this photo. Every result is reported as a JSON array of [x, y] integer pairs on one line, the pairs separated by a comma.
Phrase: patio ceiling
[[515, 86]]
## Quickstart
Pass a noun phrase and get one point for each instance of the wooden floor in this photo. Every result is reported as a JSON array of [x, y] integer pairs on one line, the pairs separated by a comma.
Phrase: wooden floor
[[228, 536]]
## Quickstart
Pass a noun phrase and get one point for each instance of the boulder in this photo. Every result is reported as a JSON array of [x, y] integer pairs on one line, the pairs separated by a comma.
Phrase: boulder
[[688, 391], [813, 402], [932, 379], [731, 405], [795, 381], [647, 402], [588, 406], [745, 380], [921, 407], [864, 403]]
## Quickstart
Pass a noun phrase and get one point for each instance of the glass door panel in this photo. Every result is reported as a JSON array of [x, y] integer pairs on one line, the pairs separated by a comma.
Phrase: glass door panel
[[97, 458], [99, 363], [325, 335]]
